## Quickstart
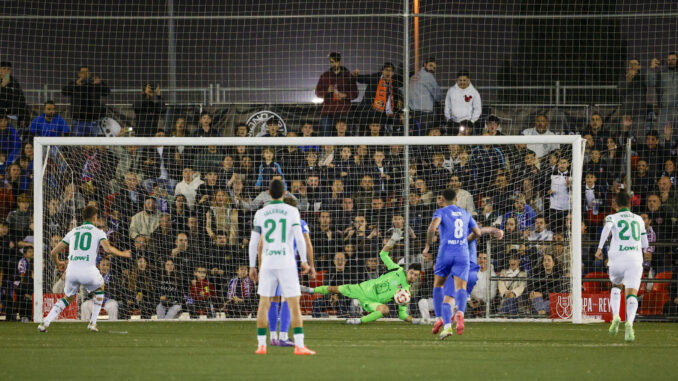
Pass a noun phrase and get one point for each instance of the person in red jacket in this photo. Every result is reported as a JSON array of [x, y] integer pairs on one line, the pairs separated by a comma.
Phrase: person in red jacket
[[337, 87], [202, 292]]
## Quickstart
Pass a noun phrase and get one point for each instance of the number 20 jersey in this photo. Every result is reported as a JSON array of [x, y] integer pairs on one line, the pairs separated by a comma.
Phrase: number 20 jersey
[[276, 223], [628, 236]]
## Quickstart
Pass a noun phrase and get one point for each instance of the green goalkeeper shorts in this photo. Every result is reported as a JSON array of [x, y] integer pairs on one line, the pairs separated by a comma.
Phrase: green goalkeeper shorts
[[354, 291]]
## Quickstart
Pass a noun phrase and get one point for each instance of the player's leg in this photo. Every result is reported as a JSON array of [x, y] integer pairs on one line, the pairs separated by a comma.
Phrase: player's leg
[[267, 284], [632, 276], [441, 271], [70, 289], [289, 286], [285, 319], [616, 278], [461, 298], [94, 282], [273, 316]]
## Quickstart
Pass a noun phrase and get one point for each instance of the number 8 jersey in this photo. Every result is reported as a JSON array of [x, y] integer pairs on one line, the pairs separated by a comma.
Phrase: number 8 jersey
[[83, 245], [279, 224], [629, 237]]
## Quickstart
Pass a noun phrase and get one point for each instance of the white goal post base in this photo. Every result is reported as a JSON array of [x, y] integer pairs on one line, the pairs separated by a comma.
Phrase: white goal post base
[[575, 141]]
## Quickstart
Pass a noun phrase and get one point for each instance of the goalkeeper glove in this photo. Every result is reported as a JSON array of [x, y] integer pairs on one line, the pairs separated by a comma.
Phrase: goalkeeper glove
[[395, 237]]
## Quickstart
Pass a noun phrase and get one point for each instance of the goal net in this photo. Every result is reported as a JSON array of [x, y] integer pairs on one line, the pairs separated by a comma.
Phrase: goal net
[[184, 207]]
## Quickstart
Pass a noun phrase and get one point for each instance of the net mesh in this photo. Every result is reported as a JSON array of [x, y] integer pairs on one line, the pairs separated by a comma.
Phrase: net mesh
[[186, 214], [247, 64]]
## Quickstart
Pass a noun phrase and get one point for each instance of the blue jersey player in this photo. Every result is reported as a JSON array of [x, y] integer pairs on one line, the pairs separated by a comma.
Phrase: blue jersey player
[[454, 225], [448, 288], [283, 314]]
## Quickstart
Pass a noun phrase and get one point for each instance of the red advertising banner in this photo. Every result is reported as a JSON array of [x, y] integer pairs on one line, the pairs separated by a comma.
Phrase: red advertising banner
[[48, 301], [596, 306]]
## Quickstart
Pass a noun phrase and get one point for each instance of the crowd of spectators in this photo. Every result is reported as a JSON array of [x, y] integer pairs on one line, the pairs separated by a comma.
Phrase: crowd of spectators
[[186, 212]]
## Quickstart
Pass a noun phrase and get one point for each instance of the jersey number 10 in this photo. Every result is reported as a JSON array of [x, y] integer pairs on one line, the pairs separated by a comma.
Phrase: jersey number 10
[[82, 241]]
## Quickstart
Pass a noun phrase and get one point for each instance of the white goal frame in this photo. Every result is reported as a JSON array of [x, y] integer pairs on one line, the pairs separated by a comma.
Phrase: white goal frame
[[575, 141]]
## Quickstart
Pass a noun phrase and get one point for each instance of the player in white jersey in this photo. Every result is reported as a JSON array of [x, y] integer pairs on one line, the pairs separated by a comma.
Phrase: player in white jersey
[[625, 259], [83, 244], [279, 225]]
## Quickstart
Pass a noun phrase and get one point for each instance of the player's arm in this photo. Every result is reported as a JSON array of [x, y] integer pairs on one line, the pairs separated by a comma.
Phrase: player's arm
[[403, 315], [383, 254], [496, 233], [309, 254], [56, 250], [603, 237], [430, 235], [644, 244], [253, 251], [112, 250]]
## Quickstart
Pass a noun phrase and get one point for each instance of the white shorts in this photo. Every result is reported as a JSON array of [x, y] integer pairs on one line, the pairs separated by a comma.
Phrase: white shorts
[[627, 273], [288, 279], [91, 279]]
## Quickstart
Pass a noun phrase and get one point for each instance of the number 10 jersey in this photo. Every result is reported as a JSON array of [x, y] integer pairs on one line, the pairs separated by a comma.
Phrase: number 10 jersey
[[83, 245]]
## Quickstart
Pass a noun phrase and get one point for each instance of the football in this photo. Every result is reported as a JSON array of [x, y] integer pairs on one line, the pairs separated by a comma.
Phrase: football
[[402, 297]]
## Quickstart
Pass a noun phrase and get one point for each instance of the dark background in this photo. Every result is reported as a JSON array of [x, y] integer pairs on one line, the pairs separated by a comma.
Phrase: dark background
[[502, 43]]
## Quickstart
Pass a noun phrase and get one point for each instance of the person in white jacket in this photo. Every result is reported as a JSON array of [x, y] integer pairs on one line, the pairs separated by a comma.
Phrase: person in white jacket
[[462, 101]]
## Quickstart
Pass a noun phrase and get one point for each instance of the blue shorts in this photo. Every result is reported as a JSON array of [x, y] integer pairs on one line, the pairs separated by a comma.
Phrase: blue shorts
[[452, 263], [450, 290]]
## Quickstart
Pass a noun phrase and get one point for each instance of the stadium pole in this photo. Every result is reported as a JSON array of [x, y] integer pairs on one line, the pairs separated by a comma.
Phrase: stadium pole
[[38, 241], [406, 125], [578, 147]]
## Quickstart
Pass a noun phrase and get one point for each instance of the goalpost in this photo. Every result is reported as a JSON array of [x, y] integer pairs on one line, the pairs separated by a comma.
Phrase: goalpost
[[351, 206]]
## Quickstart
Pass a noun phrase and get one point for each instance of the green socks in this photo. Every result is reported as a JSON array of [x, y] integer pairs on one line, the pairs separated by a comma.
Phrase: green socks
[[371, 317]]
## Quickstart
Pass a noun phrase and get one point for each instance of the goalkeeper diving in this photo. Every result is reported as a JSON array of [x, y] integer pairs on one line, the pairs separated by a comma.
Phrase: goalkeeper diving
[[374, 294]]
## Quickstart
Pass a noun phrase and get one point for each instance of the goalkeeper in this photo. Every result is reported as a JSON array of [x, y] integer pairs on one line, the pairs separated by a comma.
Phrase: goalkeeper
[[374, 294]]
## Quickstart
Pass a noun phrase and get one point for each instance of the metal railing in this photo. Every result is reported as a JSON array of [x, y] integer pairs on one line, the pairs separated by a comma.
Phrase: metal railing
[[216, 94]]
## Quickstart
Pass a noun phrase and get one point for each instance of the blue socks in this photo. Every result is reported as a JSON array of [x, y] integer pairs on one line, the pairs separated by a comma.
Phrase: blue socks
[[447, 314], [460, 299], [273, 317], [285, 318], [437, 301]]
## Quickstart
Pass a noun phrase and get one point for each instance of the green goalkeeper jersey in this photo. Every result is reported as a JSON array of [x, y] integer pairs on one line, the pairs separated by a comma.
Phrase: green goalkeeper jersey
[[383, 288]]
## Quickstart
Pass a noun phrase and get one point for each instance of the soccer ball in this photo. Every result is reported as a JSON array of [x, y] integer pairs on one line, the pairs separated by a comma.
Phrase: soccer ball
[[402, 297]]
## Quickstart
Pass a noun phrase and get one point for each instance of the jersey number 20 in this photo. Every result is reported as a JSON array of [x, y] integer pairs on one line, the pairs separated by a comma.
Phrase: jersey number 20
[[624, 226]]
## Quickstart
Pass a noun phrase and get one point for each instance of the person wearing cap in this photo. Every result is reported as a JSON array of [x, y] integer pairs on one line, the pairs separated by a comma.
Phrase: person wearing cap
[[49, 123], [11, 95], [336, 87], [148, 110], [10, 141], [86, 106], [424, 94]]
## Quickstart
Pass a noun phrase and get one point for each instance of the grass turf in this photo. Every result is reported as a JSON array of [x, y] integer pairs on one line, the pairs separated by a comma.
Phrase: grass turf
[[383, 350]]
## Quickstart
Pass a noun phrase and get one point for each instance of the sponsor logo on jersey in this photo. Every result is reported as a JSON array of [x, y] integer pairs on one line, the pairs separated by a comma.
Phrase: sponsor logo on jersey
[[79, 258], [628, 248], [276, 252]]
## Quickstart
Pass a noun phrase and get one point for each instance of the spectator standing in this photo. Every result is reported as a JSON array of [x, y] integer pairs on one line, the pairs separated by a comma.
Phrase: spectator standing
[[462, 101], [206, 130], [597, 131], [49, 123], [148, 110], [381, 101], [188, 186], [86, 107], [337, 87], [541, 127], [12, 96], [424, 95], [664, 79], [10, 142], [633, 95], [241, 294]]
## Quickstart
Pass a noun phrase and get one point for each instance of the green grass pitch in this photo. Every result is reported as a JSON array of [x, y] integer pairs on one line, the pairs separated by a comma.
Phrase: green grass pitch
[[379, 351]]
